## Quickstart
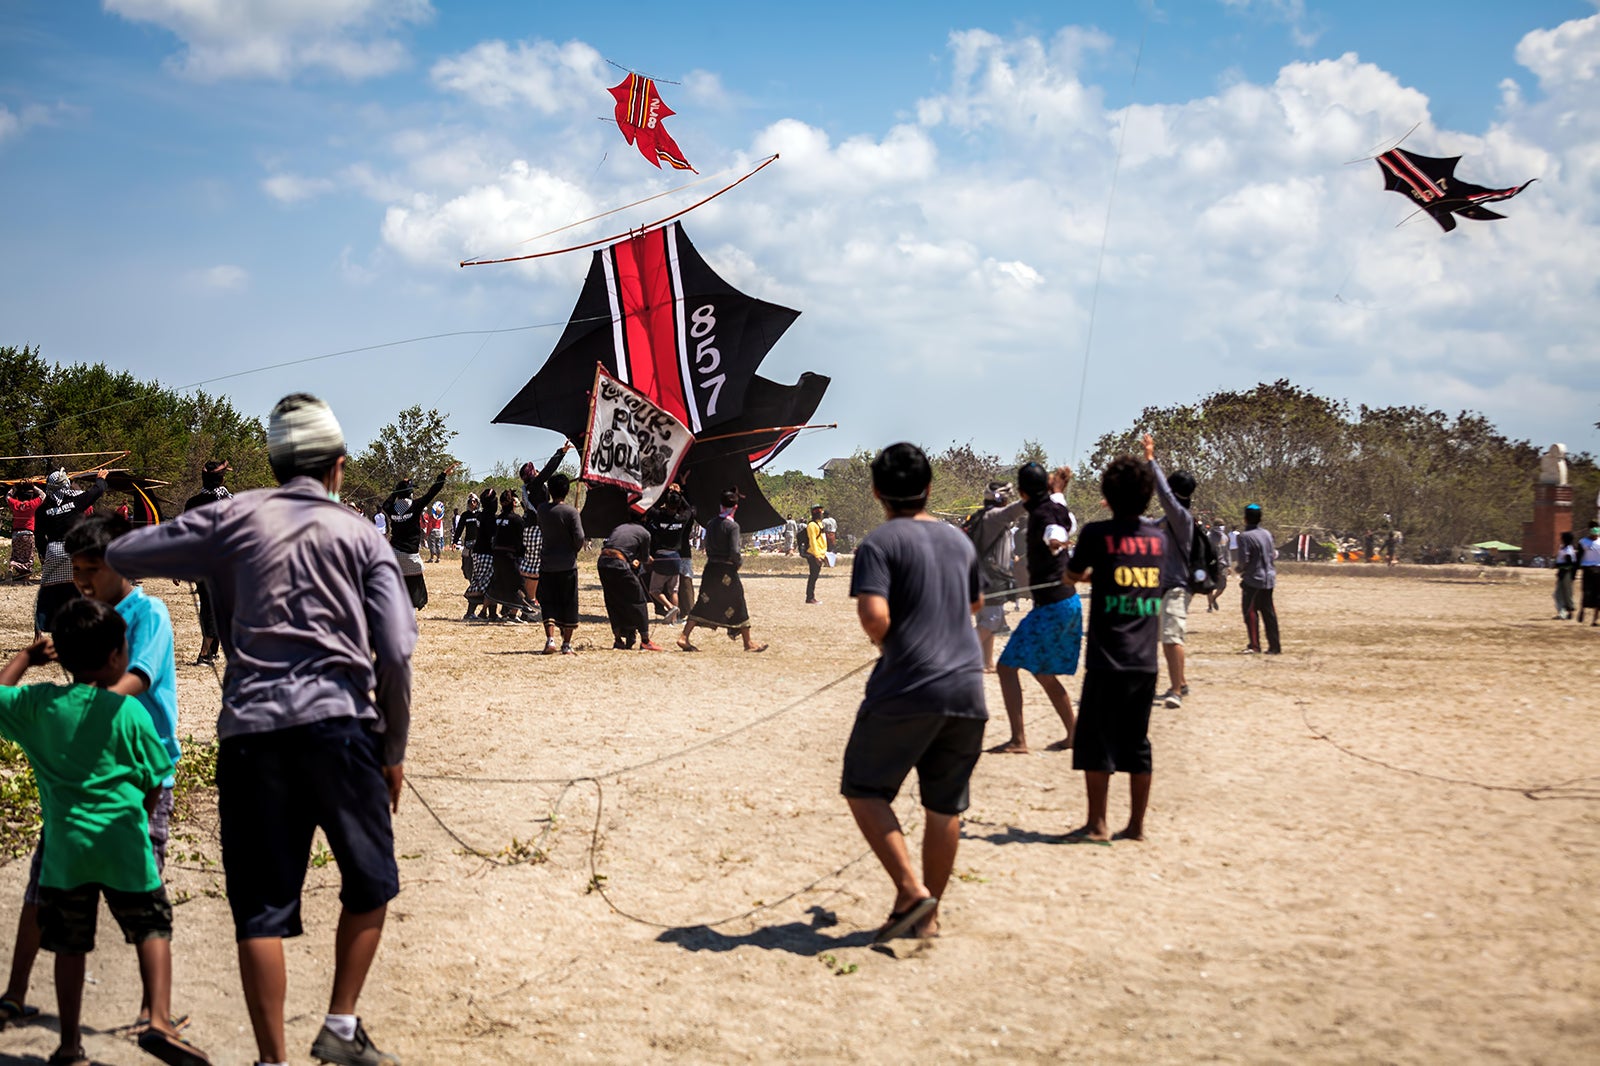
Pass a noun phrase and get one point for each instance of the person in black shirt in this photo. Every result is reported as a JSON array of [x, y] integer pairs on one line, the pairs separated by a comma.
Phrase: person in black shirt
[[405, 534], [505, 589], [63, 507], [1123, 559], [1047, 642], [212, 489], [482, 554], [721, 602], [462, 533], [622, 568], [668, 523]]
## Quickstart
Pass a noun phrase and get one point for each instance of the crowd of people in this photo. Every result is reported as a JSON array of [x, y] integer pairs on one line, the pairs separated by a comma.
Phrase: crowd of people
[[318, 630]]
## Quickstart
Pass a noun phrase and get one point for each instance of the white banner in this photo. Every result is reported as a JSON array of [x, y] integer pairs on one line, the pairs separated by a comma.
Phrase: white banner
[[632, 443]]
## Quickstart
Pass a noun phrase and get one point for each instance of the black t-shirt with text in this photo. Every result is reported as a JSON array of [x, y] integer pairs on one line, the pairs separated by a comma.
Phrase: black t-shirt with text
[[1123, 557]]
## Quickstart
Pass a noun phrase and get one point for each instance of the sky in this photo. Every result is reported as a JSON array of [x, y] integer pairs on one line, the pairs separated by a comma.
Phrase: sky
[[996, 226]]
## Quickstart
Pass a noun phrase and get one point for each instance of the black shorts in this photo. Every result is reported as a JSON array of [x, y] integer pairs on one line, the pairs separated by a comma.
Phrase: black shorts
[[68, 916], [883, 749], [273, 791], [1113, 734], [558, 597]]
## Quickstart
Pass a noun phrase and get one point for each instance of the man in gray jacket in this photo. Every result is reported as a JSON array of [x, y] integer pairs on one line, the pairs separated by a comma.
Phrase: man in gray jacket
[[316, 706], [991, 528]]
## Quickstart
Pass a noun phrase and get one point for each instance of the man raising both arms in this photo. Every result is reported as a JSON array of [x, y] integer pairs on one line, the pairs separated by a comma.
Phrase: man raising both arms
[[318, 630]]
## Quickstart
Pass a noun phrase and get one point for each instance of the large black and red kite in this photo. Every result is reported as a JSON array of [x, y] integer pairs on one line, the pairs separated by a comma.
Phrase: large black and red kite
[[655, 315], [1432, 183]]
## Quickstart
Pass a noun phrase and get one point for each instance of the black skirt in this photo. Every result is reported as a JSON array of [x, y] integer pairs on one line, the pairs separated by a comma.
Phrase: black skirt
[[721, 600], [418, 589], [505, 583]]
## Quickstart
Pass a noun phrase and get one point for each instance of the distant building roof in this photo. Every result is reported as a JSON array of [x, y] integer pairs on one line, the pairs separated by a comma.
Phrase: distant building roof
[[834, 464]]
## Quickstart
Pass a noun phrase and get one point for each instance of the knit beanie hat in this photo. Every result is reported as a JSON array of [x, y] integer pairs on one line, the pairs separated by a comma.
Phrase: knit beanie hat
[[302, 434]]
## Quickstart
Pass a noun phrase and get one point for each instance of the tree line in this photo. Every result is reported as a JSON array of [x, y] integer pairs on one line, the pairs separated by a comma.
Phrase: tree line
[[1315, 464]]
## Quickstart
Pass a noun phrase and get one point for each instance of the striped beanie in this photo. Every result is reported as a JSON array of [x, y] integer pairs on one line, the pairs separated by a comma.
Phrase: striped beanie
[[302, 434]]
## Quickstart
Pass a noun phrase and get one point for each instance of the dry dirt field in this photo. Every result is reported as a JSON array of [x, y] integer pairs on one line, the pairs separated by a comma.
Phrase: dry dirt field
[[1382, 846]]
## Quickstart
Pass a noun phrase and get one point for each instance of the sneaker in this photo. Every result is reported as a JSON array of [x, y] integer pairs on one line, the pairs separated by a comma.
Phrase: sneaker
[[1172, 700], [472, 613], [651, 645], [1184, 691], [549, 647], [1251, 651], [566, 649], [671, 617], [1167, 695], [331, 1047]]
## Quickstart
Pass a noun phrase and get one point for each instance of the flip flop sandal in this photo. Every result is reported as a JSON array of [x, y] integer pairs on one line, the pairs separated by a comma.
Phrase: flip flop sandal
[[12, 1011], [141, 1026], [173, 1050], [902, 922]]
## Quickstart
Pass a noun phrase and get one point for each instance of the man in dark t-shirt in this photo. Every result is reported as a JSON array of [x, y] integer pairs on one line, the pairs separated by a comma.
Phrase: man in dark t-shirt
[[915, 582], [1123, 559]]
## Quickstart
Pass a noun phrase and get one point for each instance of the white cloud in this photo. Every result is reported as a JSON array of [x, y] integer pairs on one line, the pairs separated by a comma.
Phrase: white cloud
[[1565, 56], [1291, 12], [293, 188], [224, 277], [950, 263], [547, 77], [280, 38], [16, 123]]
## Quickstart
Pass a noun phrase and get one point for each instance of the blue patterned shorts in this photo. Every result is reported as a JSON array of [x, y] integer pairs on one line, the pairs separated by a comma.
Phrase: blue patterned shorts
[[1048, 640]]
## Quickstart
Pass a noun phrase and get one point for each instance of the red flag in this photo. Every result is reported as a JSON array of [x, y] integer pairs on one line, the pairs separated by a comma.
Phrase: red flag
[[640, 111]]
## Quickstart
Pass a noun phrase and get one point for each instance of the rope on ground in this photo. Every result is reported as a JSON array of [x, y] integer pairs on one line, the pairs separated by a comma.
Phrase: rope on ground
[[1576, 788], [597, 881], [656, 760]]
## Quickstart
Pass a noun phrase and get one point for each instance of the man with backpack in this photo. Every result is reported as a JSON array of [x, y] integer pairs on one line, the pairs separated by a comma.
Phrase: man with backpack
[[1187, 567], [988, 529]]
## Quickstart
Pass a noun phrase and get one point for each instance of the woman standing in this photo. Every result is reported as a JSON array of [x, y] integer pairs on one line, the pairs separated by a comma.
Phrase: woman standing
[[1566, 570], [505, 580]]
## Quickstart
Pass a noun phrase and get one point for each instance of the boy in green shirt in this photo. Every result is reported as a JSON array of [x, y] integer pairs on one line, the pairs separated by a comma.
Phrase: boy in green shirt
[[99, 766]]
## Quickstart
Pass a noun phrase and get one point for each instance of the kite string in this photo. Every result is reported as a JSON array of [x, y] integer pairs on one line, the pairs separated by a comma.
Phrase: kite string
[[642, 74], [1105, 233], [618, 210]]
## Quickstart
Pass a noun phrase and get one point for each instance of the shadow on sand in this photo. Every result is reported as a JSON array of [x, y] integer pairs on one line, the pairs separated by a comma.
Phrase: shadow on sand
[[798, 938]]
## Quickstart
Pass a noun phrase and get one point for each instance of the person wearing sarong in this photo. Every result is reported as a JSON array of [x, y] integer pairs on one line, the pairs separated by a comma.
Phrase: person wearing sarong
[[212, 489], [622, 569], [505, 580], [24, 499], [62, 509], [721, 601], [463, 534], [483, 554], [405, 534]]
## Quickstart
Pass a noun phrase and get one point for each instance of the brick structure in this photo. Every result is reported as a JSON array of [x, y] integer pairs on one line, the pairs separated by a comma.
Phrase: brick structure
[[1552, 516]]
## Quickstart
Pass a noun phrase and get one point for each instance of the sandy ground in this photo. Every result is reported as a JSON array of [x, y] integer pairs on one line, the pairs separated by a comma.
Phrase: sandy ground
[[1294, 902]]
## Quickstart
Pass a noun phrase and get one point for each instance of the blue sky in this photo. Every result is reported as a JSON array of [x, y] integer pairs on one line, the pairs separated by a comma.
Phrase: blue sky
[[193, 189]]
